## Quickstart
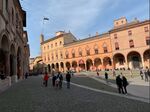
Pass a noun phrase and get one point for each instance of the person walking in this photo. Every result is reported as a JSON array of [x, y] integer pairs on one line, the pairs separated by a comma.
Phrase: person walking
[[26, 75], [53, 80], [114, 73], [106, 77], [46, 79], [97, 73], [60, 77], [141, 74], [68, 77], [119, 84], [125, 84], [146, 74]]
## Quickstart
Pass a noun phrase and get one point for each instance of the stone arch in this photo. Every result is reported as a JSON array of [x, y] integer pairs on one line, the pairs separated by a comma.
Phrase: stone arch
[[134, 60], [81, 65], [74, 65], [68, 66], [119, 60], [89, 64], [4, 55], [97, 63], [107, 62], [146, 56], [12, 60], [62, 66], [57, 67], [53, 66]]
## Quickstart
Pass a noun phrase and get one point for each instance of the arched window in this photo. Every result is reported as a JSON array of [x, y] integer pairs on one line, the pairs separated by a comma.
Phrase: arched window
[[116, 46], [87, 50], [52, 56], [148, 40], [80, 51], [96, 49], [67, 54], [73, 53], [56, 55], [131, 43], [61, 55], [105, 48]]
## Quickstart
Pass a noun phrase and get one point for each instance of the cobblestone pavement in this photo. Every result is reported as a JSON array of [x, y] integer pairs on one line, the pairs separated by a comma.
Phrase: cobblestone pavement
[[30, 96]]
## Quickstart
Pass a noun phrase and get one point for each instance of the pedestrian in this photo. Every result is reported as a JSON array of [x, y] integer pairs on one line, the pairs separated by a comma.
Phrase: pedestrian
[[119, 84], [146, 74], [97, 73], [68, 77], [114, 73], [26, 75], [125, 84], [106, 77], [53, 80], [141, 74], [46, 79], [60, 79]]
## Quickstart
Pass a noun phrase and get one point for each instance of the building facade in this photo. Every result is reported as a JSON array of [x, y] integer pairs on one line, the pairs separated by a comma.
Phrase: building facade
[[14, 48], [126, 45]]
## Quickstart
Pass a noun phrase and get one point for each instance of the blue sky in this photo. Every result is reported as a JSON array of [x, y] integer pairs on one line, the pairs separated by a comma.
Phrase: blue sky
[[81, 17]]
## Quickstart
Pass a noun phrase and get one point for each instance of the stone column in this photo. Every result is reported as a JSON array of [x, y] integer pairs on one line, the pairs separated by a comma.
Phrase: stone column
[[142, 59], [126, 62]]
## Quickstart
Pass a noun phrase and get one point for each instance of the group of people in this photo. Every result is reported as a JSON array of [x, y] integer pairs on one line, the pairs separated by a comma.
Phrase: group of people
[[122, 83], [145, 73], [57, 79]]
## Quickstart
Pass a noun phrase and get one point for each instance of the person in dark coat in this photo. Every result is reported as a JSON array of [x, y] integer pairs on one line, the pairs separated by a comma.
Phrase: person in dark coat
[[53, 80], [68, 77], [125, 84], [106, 76], [119, 84]]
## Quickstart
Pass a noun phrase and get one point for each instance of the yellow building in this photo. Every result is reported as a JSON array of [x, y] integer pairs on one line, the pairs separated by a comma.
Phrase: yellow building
[[126, 45]]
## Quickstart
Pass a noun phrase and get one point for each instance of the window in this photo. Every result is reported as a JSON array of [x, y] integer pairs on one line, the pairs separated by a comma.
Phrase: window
[[146, 29], [51, 45], [80, 51], [67, 54], [96, 51], [60, 42], [148, 40], [115, 36], [61, 55], [73, 53], [131, 43], [105, 48], [48, 58], [56, 56], [88, 52], [116, 46], [56, 44], [52, 57], [47, 46], [129, 33]]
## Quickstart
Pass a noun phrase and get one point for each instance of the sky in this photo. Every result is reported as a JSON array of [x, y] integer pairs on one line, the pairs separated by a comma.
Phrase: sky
[[80, 17]]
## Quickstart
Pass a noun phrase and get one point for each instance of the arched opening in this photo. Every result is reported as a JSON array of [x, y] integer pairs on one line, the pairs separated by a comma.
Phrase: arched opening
[[74, 65], [62, 66], [107, 63], [57, 66], [134, 60], [68, 65], [97, 63], [81, 65], [19, 68], [146, 57], [89, 64], [12, 60], [53, 66], [4, 55], [49, 68], [119, 60]]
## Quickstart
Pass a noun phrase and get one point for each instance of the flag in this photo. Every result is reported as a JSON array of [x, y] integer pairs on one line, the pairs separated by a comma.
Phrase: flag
[[46, 18]]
